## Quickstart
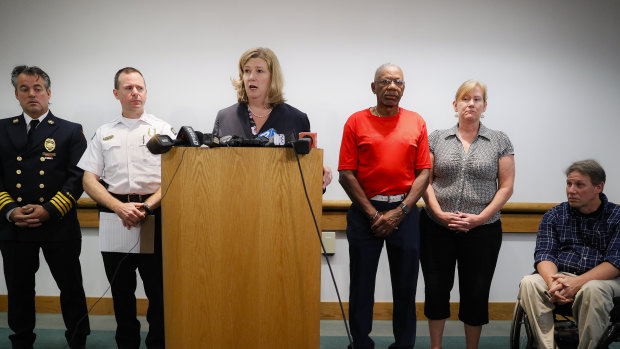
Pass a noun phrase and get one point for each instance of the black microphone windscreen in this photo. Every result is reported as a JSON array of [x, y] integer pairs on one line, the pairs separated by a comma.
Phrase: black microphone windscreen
[[159, 144], [188, 137], [302, 146]]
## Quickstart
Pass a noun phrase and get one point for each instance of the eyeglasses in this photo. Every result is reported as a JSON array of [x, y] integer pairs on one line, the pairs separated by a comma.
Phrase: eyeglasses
[[387, 82]]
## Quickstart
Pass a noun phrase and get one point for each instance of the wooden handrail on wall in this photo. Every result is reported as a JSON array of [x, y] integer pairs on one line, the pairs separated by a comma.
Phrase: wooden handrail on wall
[[517, 217]]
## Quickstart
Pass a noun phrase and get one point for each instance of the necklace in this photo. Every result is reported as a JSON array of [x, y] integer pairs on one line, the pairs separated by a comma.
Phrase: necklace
[[379, 115], [259, 116], [377, 112]]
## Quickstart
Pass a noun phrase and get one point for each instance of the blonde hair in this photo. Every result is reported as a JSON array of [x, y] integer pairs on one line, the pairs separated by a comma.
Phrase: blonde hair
[[274, 96], [468, 86]]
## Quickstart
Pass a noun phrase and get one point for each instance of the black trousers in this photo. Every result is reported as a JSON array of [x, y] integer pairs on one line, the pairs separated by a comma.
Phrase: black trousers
[[475, 252], [123, 286], [21, 262], [403, 256]]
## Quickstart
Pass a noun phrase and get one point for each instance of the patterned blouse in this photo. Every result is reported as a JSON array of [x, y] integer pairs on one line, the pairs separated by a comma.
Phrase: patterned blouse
[[467, 181]]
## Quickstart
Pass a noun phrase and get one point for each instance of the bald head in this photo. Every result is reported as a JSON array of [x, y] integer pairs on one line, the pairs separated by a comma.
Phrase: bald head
[[383, 67]]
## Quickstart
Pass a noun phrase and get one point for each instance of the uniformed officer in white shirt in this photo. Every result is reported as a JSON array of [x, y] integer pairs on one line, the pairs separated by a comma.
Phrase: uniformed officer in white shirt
[[117, 158]]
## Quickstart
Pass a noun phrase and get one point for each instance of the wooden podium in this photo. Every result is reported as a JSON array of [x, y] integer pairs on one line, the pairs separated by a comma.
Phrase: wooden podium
[[241, 255]]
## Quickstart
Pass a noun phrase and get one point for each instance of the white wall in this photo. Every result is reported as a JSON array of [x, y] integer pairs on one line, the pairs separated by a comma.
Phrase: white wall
[[551, 67]]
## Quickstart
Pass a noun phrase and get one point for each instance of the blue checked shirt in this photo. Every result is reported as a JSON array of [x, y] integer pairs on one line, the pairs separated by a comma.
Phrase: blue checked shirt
[[576, 243]]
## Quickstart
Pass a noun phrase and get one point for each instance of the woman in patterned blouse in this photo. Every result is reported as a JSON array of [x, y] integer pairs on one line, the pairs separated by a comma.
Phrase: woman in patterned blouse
[[471, 179]]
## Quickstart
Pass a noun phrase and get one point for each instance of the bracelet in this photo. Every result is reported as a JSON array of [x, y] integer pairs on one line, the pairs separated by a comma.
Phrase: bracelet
[[374, 217]]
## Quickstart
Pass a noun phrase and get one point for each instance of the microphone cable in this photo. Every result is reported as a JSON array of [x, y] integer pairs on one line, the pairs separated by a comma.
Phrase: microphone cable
[[120, 262], [104, 293], [174, 174], [318, 233]]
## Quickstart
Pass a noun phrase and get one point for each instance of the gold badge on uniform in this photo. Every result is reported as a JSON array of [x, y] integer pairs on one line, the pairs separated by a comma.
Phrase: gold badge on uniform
[[15, 121], [50, 144], [108, 138], [51, 122]]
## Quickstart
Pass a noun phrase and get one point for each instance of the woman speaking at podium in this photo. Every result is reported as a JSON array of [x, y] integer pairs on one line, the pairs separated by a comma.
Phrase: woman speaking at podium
[[261, 106]]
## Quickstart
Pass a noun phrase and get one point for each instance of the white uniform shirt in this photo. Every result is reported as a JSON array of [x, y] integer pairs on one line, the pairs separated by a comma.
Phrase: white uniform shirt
[[118, 154]]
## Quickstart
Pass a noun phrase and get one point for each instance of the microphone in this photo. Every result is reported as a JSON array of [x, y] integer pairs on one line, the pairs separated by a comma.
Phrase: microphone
[[273, 138], [311, 135], [210, 140], [305, 142], [160, 144], [302, 146], [189, 137]]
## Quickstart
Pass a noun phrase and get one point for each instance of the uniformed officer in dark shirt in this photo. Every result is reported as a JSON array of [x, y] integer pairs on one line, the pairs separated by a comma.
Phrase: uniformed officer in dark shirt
[[39, 187]]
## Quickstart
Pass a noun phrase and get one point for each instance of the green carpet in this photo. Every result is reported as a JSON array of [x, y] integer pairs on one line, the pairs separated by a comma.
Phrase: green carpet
[[55, 339], [421, 342]]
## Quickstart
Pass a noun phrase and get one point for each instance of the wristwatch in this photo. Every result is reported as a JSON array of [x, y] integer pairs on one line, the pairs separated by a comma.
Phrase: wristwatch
[[405, 208], [147, 210]]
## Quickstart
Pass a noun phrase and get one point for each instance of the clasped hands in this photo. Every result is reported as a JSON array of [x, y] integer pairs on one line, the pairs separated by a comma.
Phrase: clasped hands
[[459, 221], [29, 216], [386, 222], [563, 288], [131, 213]]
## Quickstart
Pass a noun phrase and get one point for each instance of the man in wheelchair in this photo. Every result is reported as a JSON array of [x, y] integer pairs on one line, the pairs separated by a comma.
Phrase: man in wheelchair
[[577, 258]]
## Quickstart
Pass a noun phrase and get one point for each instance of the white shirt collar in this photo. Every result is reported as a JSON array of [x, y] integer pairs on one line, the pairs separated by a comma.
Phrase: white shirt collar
[[146, 118], [29, 118]]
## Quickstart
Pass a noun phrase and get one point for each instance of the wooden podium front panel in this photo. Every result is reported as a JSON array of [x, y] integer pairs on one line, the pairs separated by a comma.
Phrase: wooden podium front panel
[[240, 249]]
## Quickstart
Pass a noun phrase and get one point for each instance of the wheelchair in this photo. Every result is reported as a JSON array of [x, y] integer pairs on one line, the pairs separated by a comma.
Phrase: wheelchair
[[566, 334]]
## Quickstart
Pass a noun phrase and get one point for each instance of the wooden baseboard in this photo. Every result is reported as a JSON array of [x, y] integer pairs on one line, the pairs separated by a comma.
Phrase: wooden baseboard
[[383, 311], [329, 310], [51, 304]]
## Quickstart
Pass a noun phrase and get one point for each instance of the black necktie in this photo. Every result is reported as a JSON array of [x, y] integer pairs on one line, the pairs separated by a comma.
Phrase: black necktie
[[33, 125]]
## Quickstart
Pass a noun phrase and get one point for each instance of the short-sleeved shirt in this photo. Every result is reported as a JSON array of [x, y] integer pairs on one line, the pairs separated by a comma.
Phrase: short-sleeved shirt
[[577, 242], [467, 181], [118, 154], [384, 151]]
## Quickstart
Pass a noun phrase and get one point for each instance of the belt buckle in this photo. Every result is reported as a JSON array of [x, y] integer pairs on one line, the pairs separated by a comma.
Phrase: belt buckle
[[395, 198]]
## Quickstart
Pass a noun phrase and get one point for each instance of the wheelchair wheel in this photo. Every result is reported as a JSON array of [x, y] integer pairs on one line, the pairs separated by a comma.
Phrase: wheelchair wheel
[[521, 335]]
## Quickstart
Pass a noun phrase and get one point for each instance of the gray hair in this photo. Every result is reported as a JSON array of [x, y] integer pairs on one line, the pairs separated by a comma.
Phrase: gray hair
[[590, 168], [32, 71]]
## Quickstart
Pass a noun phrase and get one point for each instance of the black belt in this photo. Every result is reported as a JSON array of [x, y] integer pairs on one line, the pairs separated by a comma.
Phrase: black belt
[[131, 197], [124, 198]]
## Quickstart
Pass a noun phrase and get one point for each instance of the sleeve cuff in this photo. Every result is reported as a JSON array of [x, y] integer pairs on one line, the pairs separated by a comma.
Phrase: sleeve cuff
[[6, 203], [613, 261], [60, 205]]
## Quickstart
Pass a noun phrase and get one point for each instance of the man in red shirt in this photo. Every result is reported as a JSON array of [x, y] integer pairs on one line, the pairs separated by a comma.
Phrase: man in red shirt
[[384, 168]]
